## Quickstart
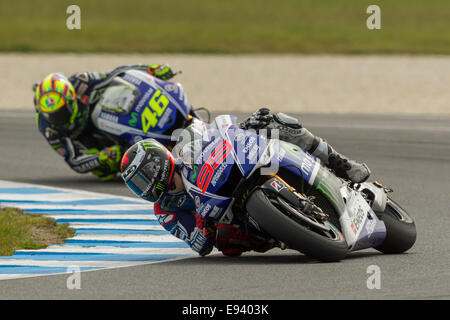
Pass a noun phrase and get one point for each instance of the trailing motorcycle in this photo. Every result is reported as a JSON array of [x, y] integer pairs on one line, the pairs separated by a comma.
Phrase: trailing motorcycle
[[136, 106], [285, 192]]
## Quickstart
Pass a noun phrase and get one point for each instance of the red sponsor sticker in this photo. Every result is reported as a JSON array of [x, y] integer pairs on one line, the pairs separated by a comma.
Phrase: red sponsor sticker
[[277, 185]]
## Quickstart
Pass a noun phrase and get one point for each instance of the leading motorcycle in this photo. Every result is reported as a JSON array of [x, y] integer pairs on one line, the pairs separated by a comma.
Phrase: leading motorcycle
[[286, 193]]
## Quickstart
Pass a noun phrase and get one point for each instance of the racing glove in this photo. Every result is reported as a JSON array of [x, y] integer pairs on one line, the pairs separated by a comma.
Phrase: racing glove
[[109, 158], [259, 119], [161, 71], [203, 237]]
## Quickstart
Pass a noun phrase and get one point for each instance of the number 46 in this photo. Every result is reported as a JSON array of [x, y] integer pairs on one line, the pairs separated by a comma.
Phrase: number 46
[[158, 104]]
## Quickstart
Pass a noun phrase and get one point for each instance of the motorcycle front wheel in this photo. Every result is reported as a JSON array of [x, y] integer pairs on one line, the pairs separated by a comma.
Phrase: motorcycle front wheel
[[400, 229], [324, 243]]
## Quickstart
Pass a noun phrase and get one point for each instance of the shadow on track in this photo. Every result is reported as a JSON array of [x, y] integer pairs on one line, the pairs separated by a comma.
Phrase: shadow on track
[[288, 257]]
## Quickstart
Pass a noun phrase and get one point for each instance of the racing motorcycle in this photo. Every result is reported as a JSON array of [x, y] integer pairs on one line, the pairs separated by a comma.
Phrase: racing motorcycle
[[285, 192], [136, 106]]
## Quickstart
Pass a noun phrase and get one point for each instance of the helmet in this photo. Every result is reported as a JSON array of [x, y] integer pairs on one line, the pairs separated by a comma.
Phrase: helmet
[[56, 101], [148, 168]]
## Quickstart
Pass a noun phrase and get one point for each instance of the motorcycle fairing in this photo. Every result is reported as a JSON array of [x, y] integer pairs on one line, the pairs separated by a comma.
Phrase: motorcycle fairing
[[361, 226], [150, 107]]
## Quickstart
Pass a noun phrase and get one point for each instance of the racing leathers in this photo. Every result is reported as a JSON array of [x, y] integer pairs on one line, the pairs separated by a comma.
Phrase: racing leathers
[[82, 145]]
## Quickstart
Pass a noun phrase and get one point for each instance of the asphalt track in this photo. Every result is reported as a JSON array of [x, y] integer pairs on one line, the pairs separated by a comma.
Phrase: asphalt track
[[411, 154]]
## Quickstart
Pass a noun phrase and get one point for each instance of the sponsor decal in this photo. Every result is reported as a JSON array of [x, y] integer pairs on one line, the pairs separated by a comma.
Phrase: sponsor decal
[[357, 219], [109, 117], [206, 150], [277, 185], [165, 118], [165, 219], [131, 79], [218, 174], [249, 144], [194, 174], [307, 164], [144, 98], [133, 121], [204, 210], [129, 171]]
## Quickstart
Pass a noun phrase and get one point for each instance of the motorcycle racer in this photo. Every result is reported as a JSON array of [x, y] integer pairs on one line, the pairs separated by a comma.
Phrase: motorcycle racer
[[149, 170], [63, 116]]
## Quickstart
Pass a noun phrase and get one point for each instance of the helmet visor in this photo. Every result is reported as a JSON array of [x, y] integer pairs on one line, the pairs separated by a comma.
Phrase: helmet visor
[[138, 184]]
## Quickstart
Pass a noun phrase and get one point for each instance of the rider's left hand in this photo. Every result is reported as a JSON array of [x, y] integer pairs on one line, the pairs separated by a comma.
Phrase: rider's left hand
[[203, 237], [110, 157]]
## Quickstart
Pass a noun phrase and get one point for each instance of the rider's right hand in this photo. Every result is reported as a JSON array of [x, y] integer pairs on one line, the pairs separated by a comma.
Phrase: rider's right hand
[[161, 71], [110, 157]]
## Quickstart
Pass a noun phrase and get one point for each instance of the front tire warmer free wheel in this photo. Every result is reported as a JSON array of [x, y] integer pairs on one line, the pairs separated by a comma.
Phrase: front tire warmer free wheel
[[400, 228], [295, 235]]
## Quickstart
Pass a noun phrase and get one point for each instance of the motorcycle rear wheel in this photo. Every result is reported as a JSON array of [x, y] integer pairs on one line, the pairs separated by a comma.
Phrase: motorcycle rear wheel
[[295, 235], [400, 228]]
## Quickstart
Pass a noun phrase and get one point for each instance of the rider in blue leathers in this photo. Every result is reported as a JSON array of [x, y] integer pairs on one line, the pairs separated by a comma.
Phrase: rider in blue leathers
[[64, 107]]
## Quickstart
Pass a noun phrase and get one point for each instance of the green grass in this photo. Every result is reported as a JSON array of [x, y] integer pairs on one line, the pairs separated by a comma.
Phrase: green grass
[[26, 231], [226, 26]]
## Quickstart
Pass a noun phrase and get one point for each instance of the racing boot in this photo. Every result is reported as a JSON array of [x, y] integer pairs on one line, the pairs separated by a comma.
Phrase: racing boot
[[290, 130], [345, 168]]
